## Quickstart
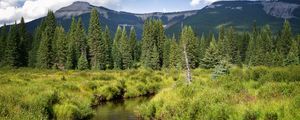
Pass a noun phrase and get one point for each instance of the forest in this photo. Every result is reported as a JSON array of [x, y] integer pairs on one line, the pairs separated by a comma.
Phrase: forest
[[63, 74]]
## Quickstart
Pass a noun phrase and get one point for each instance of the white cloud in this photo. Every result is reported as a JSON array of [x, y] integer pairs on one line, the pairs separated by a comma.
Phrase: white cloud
[[33, 9], [197, 2]]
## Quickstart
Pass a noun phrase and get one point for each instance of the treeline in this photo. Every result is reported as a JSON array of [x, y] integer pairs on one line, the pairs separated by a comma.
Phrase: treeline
[[52, 47]]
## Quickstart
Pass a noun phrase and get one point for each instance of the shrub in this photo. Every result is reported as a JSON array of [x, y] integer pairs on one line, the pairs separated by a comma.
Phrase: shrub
[[66, 111], [251, 115], [271, 116]]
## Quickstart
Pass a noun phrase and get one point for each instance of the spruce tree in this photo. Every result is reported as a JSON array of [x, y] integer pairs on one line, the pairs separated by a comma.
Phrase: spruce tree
[[116, 49], [33, 53], [212, 56], [285, 39], [95, 42], [125, 50], [133, 44], [23, 45], [62, 49], [166, 54], [175, 56], [153, 35], [83, 62], [154, 59], [80, 40], [3, 37], [188, 39], [292, 57], [71, 54], [11, 51], [108, 48], [202, 47], [45, 52]]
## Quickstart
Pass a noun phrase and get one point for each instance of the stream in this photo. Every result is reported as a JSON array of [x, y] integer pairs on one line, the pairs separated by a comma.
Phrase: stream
[[119, 109]]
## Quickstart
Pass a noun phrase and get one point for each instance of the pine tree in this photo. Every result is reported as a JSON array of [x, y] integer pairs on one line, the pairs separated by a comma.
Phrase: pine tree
[[202, 47], [292, 57], [45, 52], [154, 59], [108, 48], [61, 45], [11, 51], [166, 54], [188, 39], [80, 41], [125, 51], [95, 42], [116, 49], [133, 44], [285, 40], [153, 35], [33, 53], [277, 58], [212, 56], [83, 62], [221, 69], [71, 54], [23, 45], [175, 56], [3, 37]]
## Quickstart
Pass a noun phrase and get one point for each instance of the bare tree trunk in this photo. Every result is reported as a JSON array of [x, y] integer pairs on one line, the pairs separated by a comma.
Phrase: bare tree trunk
[[188, 71]]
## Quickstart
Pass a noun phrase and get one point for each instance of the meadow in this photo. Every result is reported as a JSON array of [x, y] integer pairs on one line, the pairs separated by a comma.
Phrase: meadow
[[245, 93]]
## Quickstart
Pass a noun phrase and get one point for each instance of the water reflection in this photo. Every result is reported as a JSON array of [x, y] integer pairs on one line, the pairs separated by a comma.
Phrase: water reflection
[[120, 109]]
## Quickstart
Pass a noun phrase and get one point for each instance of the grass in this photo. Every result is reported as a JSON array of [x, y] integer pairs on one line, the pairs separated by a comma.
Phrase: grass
[[249, 93], [258, 93], [49, 94]]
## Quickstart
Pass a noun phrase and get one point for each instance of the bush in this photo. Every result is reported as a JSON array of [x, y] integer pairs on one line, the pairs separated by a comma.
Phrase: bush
[[271, 116], [65, 111], [251, 115]]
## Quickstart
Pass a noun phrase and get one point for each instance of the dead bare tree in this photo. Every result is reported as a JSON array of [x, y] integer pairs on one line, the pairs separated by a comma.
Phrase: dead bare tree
[[188, 71]]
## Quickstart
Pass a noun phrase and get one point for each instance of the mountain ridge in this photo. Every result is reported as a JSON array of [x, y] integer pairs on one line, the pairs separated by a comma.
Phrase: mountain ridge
[[239, 14]]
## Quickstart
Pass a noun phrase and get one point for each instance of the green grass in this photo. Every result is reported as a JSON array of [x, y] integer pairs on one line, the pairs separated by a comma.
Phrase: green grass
[[45, 94], [249, 93], [258, 93]]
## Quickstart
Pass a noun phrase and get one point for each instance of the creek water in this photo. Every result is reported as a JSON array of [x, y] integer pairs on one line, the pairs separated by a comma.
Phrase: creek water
[[119, 109]]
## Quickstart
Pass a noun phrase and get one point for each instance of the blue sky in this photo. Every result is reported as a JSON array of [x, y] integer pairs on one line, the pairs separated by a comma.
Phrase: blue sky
[[13, 10]]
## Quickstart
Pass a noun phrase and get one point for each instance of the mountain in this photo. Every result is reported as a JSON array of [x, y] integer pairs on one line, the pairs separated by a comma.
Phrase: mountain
[[239, 14], [242, 14], [111, 18]]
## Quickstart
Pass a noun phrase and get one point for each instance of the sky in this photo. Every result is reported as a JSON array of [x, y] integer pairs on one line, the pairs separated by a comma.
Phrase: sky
[[13, 10]]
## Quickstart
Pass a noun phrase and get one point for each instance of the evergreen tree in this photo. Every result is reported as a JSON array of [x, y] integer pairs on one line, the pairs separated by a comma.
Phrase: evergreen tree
[[71, 54], [154, 59], [83, 62], [174, 57], [212, 56], [33, 53], [125, 51], [108, 48], [80, 41], [278, 58], [166, 54], [3, 37], [23, 45], [45, 52], [188, 39], [202, 47], [283, 44], [133, 44], [116, 49], [221, 69], [153, 35], [61, 45], [95, 42], [11, 51], [292, 57]]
